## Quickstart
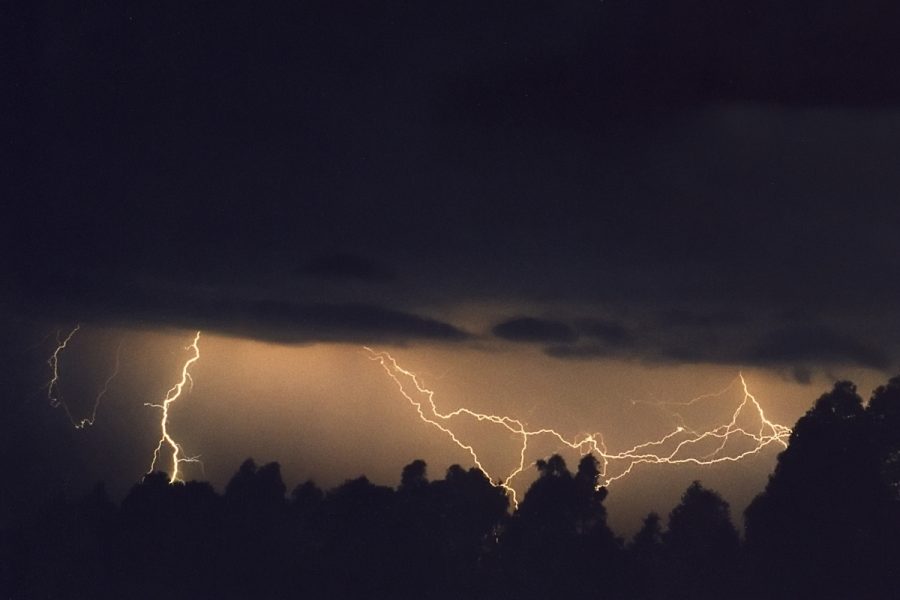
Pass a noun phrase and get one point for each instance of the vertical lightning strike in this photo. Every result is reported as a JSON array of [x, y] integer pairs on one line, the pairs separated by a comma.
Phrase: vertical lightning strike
[[53, 362], [171, 396], [680, 446]]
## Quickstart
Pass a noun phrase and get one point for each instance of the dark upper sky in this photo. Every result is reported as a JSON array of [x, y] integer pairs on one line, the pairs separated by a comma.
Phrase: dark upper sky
[[686, 180]]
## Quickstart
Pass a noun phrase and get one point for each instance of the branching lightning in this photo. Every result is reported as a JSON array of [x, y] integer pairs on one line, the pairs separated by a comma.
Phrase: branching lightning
[[171, 396], [53, 394], [166, 439], [682, 445], [731, 441]]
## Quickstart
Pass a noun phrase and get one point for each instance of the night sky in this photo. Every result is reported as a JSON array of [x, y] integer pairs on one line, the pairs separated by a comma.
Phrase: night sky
[[559, 211]]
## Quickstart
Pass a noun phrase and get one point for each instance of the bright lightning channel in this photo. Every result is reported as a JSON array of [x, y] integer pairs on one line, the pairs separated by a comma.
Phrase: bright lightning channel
[[171, 396], [674, 448]]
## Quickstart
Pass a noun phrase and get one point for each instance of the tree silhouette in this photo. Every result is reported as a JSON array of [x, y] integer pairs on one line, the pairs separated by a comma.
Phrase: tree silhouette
[[884, 413], [445, 528], [826, 526], [646, 560], [356, 540], [470, 511], [817, 529], [255, 536], [66, 547], [701, 546], [558, 542], [162, 529], [413, 476]]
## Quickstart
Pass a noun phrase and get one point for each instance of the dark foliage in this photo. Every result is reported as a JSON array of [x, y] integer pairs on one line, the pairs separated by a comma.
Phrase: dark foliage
[[701, 546], [826, 526], [557, 543]]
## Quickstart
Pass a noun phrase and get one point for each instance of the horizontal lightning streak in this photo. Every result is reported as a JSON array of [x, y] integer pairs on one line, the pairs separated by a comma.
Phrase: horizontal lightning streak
[[650, 452]]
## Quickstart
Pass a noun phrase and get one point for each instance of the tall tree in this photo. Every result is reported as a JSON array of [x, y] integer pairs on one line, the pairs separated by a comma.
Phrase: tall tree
[[558, 543], [701, 546], [815, 532]]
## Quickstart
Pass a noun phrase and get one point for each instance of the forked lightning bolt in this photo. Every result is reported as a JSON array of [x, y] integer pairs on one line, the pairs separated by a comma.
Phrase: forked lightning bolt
[[171, 396], [680, 446]]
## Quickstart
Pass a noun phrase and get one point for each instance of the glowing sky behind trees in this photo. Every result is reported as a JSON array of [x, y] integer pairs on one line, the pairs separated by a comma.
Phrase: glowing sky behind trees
[[328, 412], [549, 211]]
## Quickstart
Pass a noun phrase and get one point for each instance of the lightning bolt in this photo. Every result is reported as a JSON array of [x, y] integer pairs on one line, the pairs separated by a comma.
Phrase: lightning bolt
[[171, 396], [679, 446], [53, 363], [53, 394]]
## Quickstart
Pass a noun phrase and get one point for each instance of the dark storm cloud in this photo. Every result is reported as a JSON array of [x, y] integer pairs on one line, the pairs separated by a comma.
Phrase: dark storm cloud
[[273, 320], [530, 329], [292, 323], [690, 319], [581, 351], [643, 339], [724, 338], [549, 330], [818, 346], [629, 58], [346, 266], [700, 169], [803, 375], [606, 331], [596, 338]]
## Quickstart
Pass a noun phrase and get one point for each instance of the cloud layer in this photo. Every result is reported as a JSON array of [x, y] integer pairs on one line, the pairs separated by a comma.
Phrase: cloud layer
[[681, 181]]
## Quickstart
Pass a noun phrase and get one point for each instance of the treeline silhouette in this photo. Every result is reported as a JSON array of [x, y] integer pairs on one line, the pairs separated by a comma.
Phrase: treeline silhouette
[[827, 525]]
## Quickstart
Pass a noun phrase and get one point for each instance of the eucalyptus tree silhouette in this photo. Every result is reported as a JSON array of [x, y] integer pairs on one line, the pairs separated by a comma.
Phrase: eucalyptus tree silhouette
[[826, 526], [646, 561], [821, 527], [558, 543], [256, 539], [162, 530], [701, 547], [356, 537], [884, 414], [445, 530]]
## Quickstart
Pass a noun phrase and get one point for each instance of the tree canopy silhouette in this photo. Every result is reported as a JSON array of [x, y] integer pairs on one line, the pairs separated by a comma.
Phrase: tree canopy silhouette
[[827, 525], [701, 546], [558, 542]]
